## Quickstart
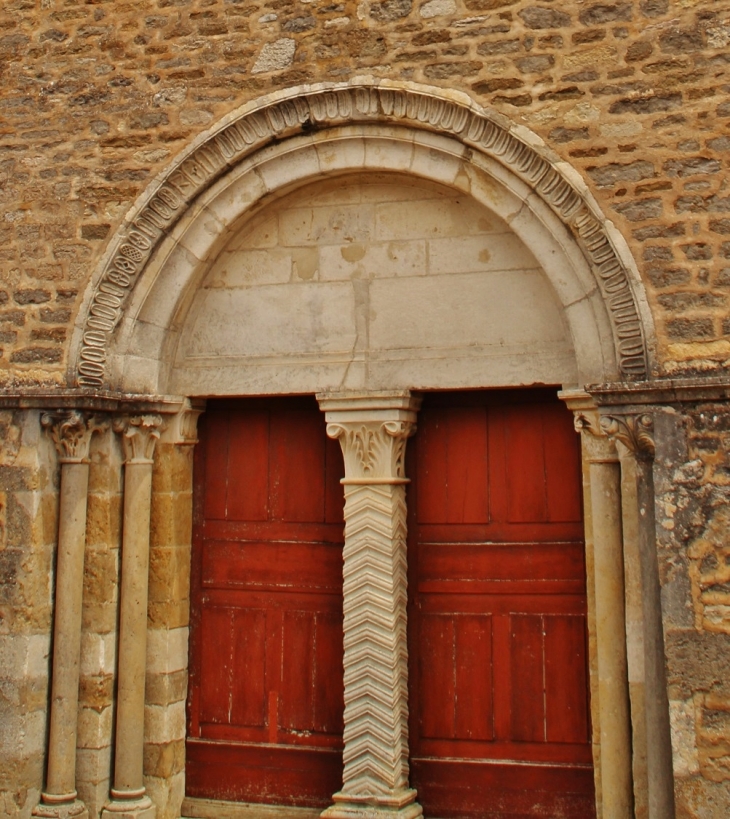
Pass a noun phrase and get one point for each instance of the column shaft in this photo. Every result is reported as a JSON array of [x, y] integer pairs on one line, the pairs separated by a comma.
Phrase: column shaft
[[71, 432], [61, 778], [659, 742], [128, 780], [129, 800], [611, 641]]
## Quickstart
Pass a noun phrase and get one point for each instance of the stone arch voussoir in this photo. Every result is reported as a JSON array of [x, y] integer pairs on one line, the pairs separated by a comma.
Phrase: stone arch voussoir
[[282, 116]]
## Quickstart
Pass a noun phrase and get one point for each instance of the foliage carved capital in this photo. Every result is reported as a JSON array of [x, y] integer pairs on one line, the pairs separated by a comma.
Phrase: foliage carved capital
[[139, 435], [71, 431], [635, 432]]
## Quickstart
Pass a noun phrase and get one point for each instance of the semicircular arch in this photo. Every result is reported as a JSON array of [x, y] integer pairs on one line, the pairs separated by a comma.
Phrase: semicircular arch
[[129, 324]]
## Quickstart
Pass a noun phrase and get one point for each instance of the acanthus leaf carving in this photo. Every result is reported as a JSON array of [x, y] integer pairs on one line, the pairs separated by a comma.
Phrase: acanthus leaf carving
[[373, 451], [71, 432], [635, 432], [139, 434]]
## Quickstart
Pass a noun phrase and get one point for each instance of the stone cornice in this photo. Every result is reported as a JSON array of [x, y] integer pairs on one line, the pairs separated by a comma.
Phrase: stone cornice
[[660, 392], [99, 401], [364, 102]]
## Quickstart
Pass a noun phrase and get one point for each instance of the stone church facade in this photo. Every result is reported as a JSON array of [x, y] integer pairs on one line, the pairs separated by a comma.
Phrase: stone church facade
[[212, 202]]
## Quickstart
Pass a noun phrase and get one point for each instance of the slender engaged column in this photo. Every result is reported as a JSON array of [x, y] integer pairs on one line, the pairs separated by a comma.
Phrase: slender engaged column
[[373, 431], [613, 694], [71, 432], [129, 800], [635, 433]]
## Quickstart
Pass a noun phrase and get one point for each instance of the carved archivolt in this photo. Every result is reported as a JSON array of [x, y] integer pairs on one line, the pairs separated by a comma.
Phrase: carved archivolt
[[320, 108]]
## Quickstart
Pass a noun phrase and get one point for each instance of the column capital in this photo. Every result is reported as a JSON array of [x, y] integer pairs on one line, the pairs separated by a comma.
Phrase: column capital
[[598, 447], [139, 434], [372, 429], [181, 429], [634, 431], [71, 432]]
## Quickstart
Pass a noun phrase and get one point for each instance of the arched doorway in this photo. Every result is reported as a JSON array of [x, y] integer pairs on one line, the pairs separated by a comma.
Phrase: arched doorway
[[390, 241]]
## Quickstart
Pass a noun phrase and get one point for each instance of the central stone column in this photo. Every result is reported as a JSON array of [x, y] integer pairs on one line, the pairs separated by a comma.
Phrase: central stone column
[[373, 430]]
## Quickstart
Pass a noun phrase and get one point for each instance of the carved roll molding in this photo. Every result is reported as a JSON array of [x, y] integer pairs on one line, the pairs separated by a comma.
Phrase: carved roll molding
[[373, 432], [324, 107]]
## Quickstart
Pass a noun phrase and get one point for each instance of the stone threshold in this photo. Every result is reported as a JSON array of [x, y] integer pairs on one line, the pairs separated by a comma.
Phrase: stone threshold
[[218, 809]]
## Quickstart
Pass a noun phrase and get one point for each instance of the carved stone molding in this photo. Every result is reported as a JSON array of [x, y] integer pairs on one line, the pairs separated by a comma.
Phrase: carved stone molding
[[71, 432], [139, 435], [328, 106], [373, 441], [635, 432]]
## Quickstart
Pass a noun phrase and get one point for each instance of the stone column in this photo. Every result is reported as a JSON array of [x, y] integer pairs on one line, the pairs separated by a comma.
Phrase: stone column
[[635, 436], [71, 432], [373, 430], [129, 800], [604, 531]]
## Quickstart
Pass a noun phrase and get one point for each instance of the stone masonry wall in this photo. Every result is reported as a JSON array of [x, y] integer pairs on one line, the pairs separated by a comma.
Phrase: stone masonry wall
[[28, 483], [98, 97], [692, 475]]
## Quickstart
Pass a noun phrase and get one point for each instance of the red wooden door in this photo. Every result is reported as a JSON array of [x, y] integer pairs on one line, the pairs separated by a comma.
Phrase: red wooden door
[[266, 687], [497, 621]]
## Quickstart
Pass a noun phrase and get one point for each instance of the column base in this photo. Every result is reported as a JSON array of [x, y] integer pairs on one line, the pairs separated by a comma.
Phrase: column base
[[129, 809], [75, 809], [401, 805]]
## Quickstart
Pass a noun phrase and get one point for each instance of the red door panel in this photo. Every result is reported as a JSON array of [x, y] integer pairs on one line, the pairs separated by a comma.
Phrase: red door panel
[[497, 609], [266, 680]]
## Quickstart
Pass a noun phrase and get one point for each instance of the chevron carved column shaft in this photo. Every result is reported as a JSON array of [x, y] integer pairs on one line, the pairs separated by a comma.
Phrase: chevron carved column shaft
[[373, 431]]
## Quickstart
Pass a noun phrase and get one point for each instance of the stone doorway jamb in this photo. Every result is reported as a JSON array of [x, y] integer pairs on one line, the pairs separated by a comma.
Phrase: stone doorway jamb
[[610, 708], [71, 432], [632, 428], [373, 430]]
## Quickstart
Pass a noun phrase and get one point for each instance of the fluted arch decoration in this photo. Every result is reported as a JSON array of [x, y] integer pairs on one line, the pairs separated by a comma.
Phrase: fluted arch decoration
[[282, 116]]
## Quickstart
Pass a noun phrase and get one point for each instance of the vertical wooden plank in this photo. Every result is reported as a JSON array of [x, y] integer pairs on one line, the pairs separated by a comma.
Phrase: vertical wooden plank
[[216, 628], [329, 690], [473, 717], [436, 676], [297, 472], [274, 662], [248, 700], [497, 474], [527, 678], [297, 679], [248, 466], [525, 464], [431, 463], [562, 464], [214, 439], [466, 465], [502, 675], [334, 495], [566, 679]]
